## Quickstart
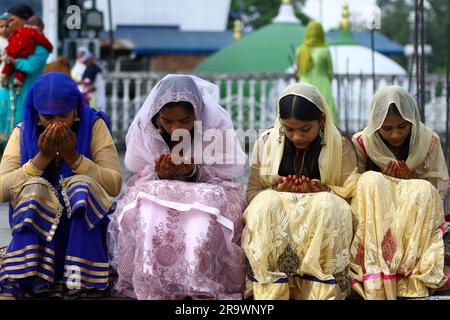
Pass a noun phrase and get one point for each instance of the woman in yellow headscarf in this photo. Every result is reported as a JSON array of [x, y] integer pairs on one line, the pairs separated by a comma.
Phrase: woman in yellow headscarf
[[314, 64], [398, 250], [297, 229]]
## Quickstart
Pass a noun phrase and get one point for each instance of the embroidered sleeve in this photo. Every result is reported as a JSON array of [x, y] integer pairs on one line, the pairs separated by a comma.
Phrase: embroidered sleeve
[[254, 186], [349, 159], [12, 173], [361, 152], [104, 166]]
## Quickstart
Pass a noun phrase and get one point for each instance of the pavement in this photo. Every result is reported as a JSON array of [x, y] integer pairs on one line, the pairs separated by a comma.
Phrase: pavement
[[5, 231]]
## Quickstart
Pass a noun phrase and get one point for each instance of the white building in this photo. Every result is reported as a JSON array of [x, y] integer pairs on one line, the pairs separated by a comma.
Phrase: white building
[[189, 15]]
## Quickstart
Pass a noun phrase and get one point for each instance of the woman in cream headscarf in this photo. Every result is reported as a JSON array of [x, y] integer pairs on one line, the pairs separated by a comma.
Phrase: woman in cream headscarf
[[398, 249], [297, 232], [314, 64]]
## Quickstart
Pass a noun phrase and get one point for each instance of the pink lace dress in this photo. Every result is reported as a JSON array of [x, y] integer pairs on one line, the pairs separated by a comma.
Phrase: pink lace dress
[[172, 239], [176, 239]]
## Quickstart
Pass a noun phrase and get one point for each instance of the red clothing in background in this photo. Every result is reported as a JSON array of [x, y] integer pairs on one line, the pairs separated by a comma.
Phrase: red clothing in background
[[22, 43]]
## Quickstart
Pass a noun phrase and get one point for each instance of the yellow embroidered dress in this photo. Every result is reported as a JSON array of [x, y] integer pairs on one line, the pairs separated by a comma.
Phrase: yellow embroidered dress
[[397, 250], [297, 245]]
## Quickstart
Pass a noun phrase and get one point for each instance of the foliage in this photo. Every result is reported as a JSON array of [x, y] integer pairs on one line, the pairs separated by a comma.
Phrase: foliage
[[395, 25], [257, 13]]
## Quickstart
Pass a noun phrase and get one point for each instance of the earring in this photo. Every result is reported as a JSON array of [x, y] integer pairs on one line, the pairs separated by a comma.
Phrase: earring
[[321, 134], [281, 134]]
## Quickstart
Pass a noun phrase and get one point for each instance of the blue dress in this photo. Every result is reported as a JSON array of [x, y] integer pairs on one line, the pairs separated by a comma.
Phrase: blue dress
[[59, 219]]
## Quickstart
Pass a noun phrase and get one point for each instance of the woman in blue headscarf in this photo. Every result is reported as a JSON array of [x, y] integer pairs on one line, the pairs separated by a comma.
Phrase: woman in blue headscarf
[[60, 172]]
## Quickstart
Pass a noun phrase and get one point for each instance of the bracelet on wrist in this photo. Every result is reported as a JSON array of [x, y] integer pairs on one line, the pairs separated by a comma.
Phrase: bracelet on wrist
[[193, 173]]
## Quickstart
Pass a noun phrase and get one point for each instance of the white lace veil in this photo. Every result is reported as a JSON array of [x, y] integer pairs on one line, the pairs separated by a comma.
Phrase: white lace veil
[[144, 143]]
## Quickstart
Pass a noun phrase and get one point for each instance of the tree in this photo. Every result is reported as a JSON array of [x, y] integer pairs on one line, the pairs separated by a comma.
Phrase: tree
[[395, 25], [436, 33], [257, 13]]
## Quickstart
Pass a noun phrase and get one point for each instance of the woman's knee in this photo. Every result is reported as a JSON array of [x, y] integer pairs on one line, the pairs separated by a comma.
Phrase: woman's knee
[[332, 207], [370, 177]]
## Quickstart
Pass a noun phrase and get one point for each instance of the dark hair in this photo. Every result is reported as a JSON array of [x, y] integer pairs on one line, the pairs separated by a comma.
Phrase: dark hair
[[37, 22], [404, 148], [21, 10], [403, 155], [393, 110], [187, 106], [300, 108]]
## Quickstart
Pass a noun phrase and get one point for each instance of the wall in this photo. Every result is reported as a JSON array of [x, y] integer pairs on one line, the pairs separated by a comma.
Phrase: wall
[[175, 63], [192, 15]]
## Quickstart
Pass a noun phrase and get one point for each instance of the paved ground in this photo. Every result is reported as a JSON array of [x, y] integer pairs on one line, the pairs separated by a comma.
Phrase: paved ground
[[5, 233]]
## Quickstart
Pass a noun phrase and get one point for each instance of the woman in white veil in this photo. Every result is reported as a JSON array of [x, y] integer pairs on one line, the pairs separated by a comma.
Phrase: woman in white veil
[[177, 227]]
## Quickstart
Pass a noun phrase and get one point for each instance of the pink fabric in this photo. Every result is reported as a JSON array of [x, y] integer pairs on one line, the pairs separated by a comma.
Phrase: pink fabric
[[171, 239], [368, 277], [144, 143], [164, 253]]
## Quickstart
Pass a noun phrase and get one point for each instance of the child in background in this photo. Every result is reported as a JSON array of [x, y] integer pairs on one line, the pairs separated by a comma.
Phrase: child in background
[[22, 43]]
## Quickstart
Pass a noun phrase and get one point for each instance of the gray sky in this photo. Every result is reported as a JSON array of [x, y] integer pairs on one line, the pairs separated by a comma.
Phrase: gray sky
[[332, 10]]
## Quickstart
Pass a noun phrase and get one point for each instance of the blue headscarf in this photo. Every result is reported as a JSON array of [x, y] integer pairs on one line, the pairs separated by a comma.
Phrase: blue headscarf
[[56, 93]]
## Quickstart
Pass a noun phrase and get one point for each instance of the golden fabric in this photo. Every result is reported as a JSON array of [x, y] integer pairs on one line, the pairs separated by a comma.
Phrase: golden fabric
[[297, 244], [432, 169], [330, 157], [421, 136], [297, 289], [397, 250], [104, 167], [348, 176], [289, 234]]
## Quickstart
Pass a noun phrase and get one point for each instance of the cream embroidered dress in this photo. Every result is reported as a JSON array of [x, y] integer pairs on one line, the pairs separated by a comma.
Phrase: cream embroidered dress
[[397, 250], [297, 244]]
